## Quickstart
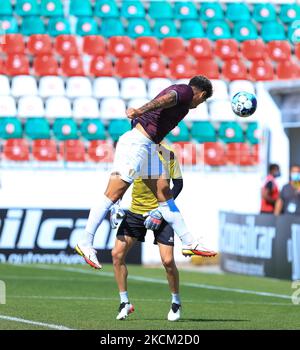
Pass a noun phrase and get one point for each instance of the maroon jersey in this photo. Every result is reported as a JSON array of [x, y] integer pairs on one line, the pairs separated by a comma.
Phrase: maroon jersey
[[160, 122]]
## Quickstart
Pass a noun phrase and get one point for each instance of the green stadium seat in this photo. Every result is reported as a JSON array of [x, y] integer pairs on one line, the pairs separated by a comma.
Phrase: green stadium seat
[[218, 30], [92, 129], [132, 9], [251, 133], [6, 8], [164, 28], [65, 129], [294, 32], [8, 25], [179, 134], [244, 30], [191, 29], [106, 9], [272, 31], [289, 12], [27, 8], [264, 12], [160, 10], [203, 131], [231, 132], [237, 12], [86, 26], [111, 27], [138, 27], [185, 10], [52, 8], [118, 127], [81, 8], [37, 128], [10, 128], [32, 25], [211, 11], [58, 26]]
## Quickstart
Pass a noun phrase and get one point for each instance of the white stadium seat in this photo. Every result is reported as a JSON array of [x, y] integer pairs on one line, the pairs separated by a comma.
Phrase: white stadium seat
[[221, 111], [156, 85], [198, 114], [51, 86], [78, 87], [85, 107], [219, 90], [7, 106], [58, 107], [241, 85], [106, 87], [4, 86], [133, 88], [112, 108], [24, 85], [30, 106], [137, 102]]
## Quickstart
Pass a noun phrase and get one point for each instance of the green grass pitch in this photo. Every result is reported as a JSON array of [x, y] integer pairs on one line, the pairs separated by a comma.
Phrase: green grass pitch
[[78, 297]]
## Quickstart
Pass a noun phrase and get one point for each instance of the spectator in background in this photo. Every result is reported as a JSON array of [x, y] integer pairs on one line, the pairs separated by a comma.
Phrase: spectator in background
[[289, 200], [270, 190]]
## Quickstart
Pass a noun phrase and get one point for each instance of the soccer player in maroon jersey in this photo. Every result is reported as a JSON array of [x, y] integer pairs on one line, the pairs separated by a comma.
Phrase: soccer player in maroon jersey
[[136, 156]]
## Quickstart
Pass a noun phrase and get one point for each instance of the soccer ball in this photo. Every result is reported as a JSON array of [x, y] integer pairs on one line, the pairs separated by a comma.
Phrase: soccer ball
[[243, 104]]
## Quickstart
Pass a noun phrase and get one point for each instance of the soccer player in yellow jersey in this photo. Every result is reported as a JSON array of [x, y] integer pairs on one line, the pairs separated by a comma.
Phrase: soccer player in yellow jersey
[[134, 227]]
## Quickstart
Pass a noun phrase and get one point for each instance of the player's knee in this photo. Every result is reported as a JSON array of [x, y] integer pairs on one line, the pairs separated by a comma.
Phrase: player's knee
[[168, 263], [117, 257]]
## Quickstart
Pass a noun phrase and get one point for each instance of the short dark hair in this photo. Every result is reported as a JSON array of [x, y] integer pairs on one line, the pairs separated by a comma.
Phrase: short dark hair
[[273, 166], [202, 83]]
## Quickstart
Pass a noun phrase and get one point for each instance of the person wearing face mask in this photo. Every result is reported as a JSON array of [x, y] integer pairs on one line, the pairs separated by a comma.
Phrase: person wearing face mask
[[289, 200], [270, 190]]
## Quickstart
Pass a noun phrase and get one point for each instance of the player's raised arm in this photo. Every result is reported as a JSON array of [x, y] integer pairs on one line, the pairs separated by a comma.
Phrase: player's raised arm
[[166, 101]]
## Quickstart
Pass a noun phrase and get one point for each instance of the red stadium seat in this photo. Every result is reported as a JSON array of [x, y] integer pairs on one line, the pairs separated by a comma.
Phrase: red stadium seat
[[17, 65], [126, 67], [45, 65], [72, 66], [120, 46], [181, 68], [200, 48], [207, 67], [44, 150], [227, 49], [66, 45], [214, 154], [239, 154], [173, 47], [101, 151], [73, 151], [253, 49], [101, 67], [288, 70], [186, 152], [94, 45], [147, 47], [154, 67], [40, 44], [279, 50], [16, 150], [13, 44], [261, 70], [235, 70]]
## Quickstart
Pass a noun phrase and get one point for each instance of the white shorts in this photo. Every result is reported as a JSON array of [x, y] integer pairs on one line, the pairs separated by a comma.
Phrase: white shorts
[[136, 156]]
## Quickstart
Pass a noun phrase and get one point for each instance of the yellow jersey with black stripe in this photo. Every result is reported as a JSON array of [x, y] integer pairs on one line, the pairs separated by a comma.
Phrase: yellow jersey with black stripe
[[143, 199]]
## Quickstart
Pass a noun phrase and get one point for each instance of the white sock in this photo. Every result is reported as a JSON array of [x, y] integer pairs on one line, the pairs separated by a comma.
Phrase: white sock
[[96, 216], [172, 215], [124, 297], [176, 298]]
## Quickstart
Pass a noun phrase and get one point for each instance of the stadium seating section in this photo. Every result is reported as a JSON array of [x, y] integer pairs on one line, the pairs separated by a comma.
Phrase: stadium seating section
[[66, 80]]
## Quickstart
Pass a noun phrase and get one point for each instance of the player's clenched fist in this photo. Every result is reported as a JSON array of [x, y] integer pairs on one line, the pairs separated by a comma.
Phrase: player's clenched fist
[[132, 113]]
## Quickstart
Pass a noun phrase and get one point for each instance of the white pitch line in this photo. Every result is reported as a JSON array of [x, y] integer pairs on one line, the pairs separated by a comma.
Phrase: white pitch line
[[42, 324], [162, 281]]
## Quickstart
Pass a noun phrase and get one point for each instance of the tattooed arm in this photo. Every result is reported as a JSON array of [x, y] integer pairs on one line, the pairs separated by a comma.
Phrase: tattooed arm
[[166, 101]]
